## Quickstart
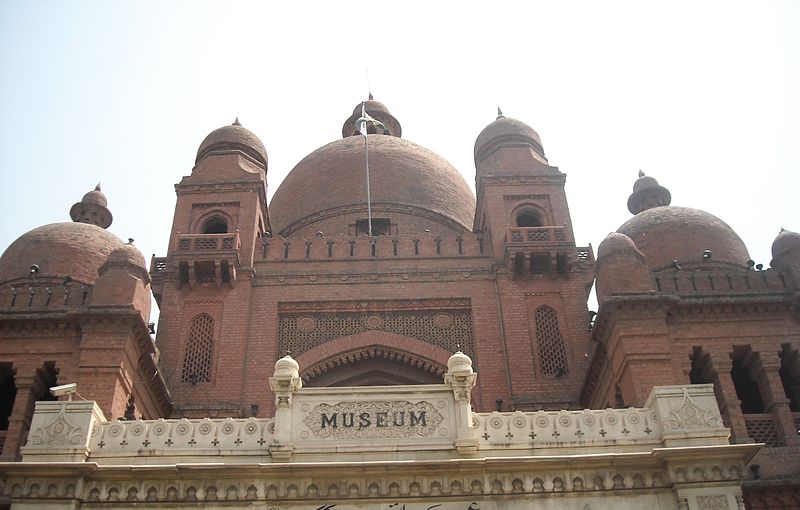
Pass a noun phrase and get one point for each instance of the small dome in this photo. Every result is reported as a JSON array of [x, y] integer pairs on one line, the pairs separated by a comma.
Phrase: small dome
[[92, 209], [287, 366], [371, 106], [664, 234], [377, 111], [786, 242], [127, 255], [613, 243], [233, 138], [647, 193], [75, 250], [459, 362], [95, 197], [401, 173], [506, 132]]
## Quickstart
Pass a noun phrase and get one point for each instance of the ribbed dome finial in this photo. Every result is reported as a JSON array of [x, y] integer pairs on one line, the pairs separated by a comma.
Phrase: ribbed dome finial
[[647, 193], [377, 111], [500, 113], [92, 209]]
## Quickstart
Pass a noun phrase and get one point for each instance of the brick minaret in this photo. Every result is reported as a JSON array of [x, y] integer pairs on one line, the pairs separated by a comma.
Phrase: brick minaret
[[542, 278]]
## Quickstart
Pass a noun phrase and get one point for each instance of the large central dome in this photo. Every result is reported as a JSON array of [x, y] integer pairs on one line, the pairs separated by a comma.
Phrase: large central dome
[[402, 174]]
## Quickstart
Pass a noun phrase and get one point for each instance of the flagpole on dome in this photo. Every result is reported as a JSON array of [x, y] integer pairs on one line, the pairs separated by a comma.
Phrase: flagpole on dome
[[362, 127]]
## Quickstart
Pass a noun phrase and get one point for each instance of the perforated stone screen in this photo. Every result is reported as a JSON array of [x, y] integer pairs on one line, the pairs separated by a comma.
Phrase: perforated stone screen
[[199, 350], [450, 329], [552, 353]]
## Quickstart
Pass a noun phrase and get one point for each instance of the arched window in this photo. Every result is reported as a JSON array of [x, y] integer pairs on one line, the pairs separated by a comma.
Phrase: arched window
[[529, 218], [552, 353], [199, 350], [215, 225]]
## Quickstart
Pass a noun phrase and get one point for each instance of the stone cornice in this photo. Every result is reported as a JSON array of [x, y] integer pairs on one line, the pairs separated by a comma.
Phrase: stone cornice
[[304, 483], [341, 277]]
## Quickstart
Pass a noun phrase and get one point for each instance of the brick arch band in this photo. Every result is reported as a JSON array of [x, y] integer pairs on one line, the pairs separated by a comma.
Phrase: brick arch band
[[373, 345]]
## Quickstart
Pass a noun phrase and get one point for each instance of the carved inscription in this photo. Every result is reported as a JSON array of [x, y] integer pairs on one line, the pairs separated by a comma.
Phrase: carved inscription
[[364, 420]]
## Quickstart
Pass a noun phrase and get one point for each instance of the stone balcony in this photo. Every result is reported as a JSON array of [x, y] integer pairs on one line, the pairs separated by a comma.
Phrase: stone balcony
[[204, 243], [199, 259], [535, 235]]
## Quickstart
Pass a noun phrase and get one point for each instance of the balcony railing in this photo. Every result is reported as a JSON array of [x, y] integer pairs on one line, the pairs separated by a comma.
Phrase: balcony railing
[[208, 242], [535, 234], [761, 429]]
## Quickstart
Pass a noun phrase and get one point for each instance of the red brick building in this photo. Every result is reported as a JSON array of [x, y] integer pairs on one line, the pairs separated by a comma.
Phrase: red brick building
[[499, 276]]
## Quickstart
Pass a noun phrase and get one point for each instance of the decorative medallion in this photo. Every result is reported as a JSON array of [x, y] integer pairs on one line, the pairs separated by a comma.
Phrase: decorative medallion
[[60, 431], [374, 322], [690, 416], [306, 324], [443, 321]]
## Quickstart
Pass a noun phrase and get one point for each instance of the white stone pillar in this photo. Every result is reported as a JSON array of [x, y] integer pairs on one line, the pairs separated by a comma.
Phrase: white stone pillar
[[461, 379], [285, 381]]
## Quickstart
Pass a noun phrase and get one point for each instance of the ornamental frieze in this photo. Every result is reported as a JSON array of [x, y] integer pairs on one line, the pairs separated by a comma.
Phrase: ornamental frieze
[[368, 420]]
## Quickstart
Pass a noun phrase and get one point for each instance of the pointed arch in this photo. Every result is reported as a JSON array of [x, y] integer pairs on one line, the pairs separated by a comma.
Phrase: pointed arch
[[373, 357]]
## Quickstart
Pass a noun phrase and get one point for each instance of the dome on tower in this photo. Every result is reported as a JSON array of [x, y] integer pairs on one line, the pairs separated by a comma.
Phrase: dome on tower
[[507, 132], [664, 234], [127, 254], [403, 175], [785, 243], [60, 250], [233, 138], [614, 243], [377, 111]]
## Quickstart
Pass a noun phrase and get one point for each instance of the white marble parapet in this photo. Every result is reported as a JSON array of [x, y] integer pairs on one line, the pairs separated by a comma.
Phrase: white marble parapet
[[567, 429], [398, 422], [204, 438]]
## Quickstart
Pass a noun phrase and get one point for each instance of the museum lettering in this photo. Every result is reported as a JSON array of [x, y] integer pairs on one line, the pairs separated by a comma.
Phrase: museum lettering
[[378, 419]]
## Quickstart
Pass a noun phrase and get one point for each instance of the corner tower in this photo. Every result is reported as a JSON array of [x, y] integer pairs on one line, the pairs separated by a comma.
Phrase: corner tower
[[203, 283], [542, 278]]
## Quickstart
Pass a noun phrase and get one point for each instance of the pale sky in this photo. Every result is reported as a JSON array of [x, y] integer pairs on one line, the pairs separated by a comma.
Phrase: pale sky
[[701, 95]]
